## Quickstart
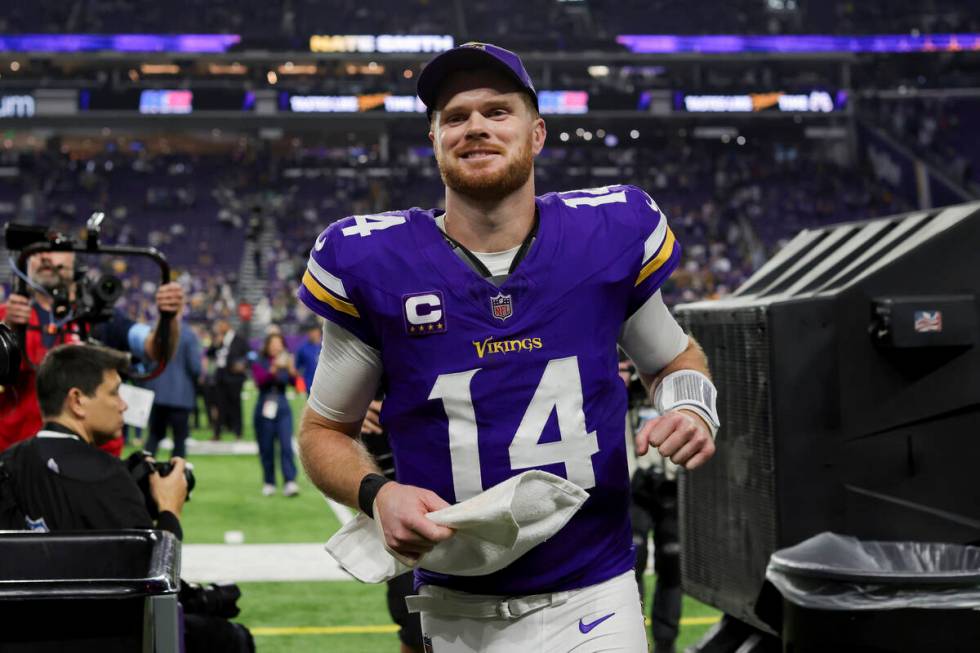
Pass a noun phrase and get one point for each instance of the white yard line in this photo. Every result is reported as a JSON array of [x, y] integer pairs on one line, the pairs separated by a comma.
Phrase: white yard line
[[258, 562], [209, 563], [263, 562], [224, 447]]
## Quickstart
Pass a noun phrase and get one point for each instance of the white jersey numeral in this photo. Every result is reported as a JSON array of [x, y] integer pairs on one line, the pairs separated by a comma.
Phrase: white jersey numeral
[[364, 225], [464, 450], [560, 390], [597, 197]]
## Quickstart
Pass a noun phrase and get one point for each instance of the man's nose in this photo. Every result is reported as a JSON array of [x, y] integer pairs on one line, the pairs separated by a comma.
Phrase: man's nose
[[476, 125]]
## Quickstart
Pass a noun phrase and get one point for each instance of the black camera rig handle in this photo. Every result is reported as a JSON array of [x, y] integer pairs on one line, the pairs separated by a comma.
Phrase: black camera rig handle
[[54, 242]]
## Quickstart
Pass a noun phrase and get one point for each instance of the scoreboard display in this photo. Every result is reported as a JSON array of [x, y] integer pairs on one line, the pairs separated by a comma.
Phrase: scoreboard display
[[166, 101]]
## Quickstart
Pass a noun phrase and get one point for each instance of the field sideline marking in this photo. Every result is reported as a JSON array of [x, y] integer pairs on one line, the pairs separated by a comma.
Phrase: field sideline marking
[[390, 628], [340, 511]]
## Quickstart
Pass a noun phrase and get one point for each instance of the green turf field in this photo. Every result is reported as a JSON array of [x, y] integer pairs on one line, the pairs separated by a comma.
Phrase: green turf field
[[228, 498], [301, 617]]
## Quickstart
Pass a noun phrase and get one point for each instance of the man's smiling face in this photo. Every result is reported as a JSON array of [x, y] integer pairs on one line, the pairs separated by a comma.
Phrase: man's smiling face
[[485, 134]]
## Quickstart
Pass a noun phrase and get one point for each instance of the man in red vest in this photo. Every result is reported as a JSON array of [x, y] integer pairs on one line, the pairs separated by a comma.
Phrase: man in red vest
[[20, 415]]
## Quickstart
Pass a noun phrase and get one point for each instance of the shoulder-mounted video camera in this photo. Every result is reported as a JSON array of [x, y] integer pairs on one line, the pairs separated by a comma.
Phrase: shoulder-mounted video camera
[[85, 301]]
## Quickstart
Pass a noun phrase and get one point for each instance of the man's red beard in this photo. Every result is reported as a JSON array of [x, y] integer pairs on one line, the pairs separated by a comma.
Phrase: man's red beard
[[489, 186]]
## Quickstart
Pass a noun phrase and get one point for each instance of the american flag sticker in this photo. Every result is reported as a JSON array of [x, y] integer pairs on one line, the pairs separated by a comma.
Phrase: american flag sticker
[[928, 321]]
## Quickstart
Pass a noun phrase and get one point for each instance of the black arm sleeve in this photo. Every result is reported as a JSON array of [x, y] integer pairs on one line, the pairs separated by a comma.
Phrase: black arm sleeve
[[117, 503]]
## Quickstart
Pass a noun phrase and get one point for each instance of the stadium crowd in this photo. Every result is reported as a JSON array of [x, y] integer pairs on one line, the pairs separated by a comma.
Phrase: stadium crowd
[[733, 204], [939, 129]]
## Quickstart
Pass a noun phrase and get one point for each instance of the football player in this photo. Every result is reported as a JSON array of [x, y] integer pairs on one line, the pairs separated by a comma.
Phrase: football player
[[493, 327]]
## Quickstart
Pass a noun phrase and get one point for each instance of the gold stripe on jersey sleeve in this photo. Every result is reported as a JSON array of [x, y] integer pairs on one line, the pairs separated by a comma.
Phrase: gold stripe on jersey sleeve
[[657, 261], [323, 295]]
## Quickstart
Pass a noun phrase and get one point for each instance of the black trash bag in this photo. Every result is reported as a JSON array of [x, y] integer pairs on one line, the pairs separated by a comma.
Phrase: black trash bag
[[837, 572]]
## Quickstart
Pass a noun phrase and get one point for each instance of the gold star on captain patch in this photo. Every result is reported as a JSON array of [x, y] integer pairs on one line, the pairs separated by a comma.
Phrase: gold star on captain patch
[[411, 329], [439, 326], [431, 327]]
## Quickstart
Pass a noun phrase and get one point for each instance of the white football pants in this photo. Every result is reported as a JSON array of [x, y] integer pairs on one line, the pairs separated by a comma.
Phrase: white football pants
[[594, 619]]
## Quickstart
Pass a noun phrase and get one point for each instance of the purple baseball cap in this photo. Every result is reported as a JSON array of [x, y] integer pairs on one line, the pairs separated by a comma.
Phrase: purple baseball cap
[[469, 56]]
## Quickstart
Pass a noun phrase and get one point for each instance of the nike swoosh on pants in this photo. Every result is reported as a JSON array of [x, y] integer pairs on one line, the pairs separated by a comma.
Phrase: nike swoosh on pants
[[584, 628]]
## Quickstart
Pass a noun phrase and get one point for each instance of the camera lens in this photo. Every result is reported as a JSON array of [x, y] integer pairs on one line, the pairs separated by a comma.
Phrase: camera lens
[[108, 288]]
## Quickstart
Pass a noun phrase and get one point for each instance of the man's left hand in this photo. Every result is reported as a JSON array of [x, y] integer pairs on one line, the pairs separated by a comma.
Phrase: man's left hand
[[170, 297], [170, 491], [679, 435]]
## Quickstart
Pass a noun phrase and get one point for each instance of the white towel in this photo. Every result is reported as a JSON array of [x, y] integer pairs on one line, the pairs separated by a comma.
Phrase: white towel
[[493, 529]]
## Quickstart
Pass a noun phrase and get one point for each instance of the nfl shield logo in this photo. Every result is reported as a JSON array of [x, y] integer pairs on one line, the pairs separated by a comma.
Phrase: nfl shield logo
[[501, 306]]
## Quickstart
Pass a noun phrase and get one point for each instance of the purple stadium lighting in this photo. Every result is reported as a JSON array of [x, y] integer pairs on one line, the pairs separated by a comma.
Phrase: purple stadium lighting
[[119, 42], [803, 43]]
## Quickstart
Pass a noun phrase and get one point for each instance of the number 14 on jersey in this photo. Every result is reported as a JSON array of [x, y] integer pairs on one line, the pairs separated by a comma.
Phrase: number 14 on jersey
[[559, 390]]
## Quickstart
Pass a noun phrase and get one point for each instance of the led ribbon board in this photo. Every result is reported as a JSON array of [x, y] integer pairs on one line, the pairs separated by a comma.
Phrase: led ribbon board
[[119, 42], [799, 43], [410, 43], [563, 102], [166, 102], [816, 101]]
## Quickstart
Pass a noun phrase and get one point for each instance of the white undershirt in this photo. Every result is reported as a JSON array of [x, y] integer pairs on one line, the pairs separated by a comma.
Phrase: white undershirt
[[349, 371], [496, 263]]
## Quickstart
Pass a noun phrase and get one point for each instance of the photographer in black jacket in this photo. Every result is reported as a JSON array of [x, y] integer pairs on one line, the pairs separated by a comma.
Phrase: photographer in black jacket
[[61, 479]]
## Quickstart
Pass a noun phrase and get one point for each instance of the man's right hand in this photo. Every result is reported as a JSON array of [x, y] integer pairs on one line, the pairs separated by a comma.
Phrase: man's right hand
[[18, 310], [401, 510], [170, 491]]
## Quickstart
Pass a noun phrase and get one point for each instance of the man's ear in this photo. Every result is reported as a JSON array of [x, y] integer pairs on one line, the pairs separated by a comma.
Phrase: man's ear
[[539, 134], [75, 403]]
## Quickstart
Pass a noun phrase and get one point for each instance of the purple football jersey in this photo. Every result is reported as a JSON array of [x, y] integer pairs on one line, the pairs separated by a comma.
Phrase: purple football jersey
[[483, 382]]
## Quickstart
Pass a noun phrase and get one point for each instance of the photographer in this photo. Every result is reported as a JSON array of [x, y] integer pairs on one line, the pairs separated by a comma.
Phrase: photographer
[[61, 480], [52, 274]]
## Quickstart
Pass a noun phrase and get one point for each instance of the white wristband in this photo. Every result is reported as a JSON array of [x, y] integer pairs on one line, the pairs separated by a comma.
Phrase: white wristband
[[690, 390]]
